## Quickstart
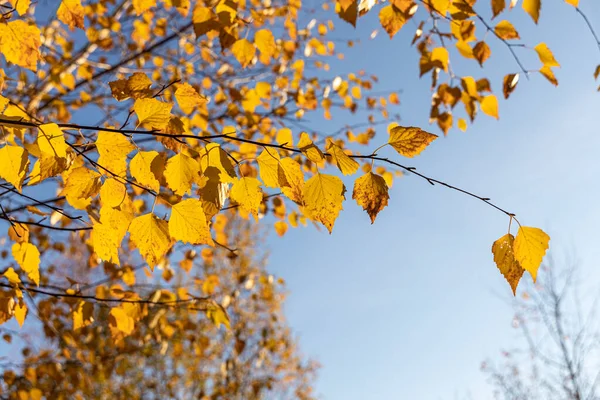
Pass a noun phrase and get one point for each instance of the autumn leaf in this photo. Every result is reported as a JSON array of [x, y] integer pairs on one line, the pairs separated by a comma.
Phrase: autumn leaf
[[505, 30], [546, 56], [71, 13], [151, 236], [20, 311], [548, 74], [152, 112], [530, 247], [410, 141], [147, 167], [141, 6], [441, 55], [83, 315], [489, 105], [291, 181], [504, 257], [21, 6], [113, 192], [270, 170], [14, 163], [348, 13], [188, 223], [391, 19], [323, 197], [181, 172], [12, 276], [247, 193], [137, 86], [244, 51], [28, 258], [482, 52], [188, 98], [20, 43], [121, 321], [265, 42], [81, 183], [345, 164], [309, 149], [497, 7], [213, 156], [371, 193], [532, 7], [509, 84], [113, 149], [217, 314]]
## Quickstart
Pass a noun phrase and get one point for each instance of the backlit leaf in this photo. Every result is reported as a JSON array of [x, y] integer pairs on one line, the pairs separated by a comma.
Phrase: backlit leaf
[[247, 193], [152, 112], [188, 98], [548, 74], [151, 236], [188, 223], [147, 167], [181, 172], [346, 164], [506, 30], [323, 197], [371, 193], [532, 7], [546, 56], [497, 7], [28, 258], [504, 257], [530, 247], [489, 105], [410, 141], [20, 43], [14, 163], [244, 51], [71, 13], [113, 149], [391, 19]]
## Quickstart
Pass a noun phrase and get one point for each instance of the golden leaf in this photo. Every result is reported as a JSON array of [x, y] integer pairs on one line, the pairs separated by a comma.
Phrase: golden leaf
[[12, 276], [281, 228], [120, 320], [217, 314], [532, 7], [18, 233], [113, 192], [188, 98], [71, 13], [147, 167], [548, 74], [265, 42], [346, 164], [141, 6], [214, 156], [247, 193], [371, 192], [28, 258], [137, 86], [270, 171], [323, 197], [243, 50], [188, 223], [441, 54], [530, 247], [546, 56], [51, 140], [181, 172], [309, 149], [14, 163], [482, 52], [509, 84], [292, 180], [83, 315], [410, 141], [20, 311], [489, 105], [81, 183], [151, 236], [391, 19], [106, 242], [20, 43], [21, 6], [574, 3], [348, 13], [504, 257], [506, 30], [113, 149], [497, 7], [152, 112]]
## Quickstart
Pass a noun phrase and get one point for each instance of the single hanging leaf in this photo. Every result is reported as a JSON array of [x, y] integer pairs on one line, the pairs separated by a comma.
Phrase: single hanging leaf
[[152, 112], [214, 156], [504, 257], [505, 30], [12, 276], [532, 7], [391, 19], [546, 56], [265, 42], [482, 52], [270, 170], [71, 13], [21, 6], [371, 193], [243, 50], [20, 311], [489, 105], [247, 193], [14, 163], [441, 55], [530, 247], [548, 74], [410, 141], [323, 197], [113, 149], [51, 140], [188, 223], [82, 183], [346, 164], [28, 258], [106, 242], [121, 321], [309, 149], [348, 12], [181, 172], [147, 167], [497, 7], [509, 84], [151, 236], [188, 98], [113, 192], [20, 43]]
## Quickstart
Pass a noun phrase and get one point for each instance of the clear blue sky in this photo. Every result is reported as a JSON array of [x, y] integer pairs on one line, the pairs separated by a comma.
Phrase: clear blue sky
[[408, 308]]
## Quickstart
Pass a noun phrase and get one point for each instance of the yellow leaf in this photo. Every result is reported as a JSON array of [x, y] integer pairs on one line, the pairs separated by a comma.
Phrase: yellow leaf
[[548, 74], [284, 137], [530, 247], [506, 30], [113, 149], [20, 43], [308, 148], [574, 3], [151, 236], [106, 242], [14, 163], [497, 7], [70, 13], [213, 156], [83, 315], [465, 49], [20, 311], [121, 321], [489, 105], [323, 197], [28, 258], [504, 257], [204, 20], [188, 223], [482, 52], [141, 6], [137, 86], [532, 7], [270, 171], [12, 276], [281, 228], [441, 54], [82, 183], [410, 141], [371, 192], [292, 180], [346, 164], [546, 56], [21, 6], [462, 124], [18, 233], [243, 50], [391, 19], [51, 140], [441, 6], [509, 84], [217, 314], [188, 98], [181, 172], [349, 13], [247, 193], [147, 167], [113, 192], [152, 112], [265, 42]]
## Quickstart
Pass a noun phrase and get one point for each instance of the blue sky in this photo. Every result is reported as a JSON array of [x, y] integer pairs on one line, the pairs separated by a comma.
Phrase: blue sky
[[409, 307]]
